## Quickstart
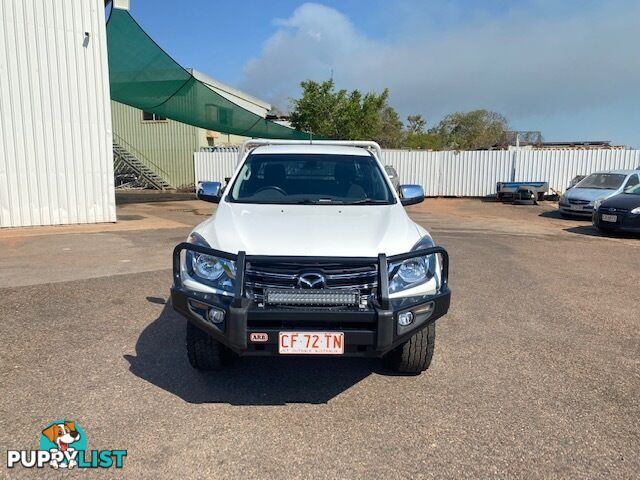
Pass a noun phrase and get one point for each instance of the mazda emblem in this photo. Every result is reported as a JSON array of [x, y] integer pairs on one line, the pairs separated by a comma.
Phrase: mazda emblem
[[311, 280]]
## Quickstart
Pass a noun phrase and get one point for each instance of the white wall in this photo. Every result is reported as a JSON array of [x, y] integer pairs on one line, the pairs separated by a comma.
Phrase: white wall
[[56, 162], [464, 173]]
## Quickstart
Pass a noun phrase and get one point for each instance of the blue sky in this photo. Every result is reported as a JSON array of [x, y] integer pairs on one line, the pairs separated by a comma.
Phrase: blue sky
[[570, 69]]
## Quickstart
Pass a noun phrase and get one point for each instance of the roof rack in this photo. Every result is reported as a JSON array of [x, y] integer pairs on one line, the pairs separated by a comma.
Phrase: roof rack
[[257, 142]]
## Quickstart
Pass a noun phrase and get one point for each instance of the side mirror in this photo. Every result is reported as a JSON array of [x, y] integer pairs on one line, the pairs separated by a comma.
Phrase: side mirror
[[209, 191], [411, 194]]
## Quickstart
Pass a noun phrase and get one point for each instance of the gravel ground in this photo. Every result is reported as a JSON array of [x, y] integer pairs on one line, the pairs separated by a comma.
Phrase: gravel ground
[[536, 372]]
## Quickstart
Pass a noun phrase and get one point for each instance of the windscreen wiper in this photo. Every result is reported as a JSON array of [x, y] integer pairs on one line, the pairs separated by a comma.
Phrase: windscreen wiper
[[315, 201], [368, 201]]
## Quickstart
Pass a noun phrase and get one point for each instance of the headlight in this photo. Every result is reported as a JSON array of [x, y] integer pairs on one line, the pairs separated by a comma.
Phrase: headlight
[[636, 211], [413, 271], [596, 204], [207, 269], [212, 268]]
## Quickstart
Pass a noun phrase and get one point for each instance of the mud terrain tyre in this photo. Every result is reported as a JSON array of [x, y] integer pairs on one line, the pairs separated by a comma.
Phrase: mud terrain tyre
[[414, 356], [204, 352]]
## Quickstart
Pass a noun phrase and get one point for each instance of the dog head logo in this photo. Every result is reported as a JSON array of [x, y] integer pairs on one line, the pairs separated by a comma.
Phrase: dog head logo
[[63, 438], [62, 434]]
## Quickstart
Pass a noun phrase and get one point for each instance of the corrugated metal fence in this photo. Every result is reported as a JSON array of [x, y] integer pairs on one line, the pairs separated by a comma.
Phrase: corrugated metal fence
[[464, 173], [216, 165]]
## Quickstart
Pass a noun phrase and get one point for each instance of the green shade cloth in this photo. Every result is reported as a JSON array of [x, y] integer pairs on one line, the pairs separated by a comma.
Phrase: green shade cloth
[[142, 75]]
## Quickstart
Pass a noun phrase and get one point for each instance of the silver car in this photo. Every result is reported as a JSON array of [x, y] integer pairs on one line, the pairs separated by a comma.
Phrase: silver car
[[579, 199]]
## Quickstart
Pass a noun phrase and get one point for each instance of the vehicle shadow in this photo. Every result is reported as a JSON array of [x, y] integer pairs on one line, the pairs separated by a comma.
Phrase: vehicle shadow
[[161, 360], [556, 214], [592, 231], [588, 230], [553, 214]]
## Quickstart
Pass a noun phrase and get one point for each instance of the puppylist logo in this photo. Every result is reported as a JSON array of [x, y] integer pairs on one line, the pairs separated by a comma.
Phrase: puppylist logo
[[63, 444]]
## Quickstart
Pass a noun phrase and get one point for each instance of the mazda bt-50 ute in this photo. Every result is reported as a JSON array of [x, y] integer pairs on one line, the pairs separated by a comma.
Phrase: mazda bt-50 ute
[[310, 252]]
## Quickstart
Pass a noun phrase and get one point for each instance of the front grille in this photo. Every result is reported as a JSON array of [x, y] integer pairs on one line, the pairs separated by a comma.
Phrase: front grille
[[613, 210], [578, 202], [338, 276]]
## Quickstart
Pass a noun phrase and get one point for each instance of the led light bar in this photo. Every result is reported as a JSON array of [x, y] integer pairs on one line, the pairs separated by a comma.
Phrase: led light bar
[[324, 296]]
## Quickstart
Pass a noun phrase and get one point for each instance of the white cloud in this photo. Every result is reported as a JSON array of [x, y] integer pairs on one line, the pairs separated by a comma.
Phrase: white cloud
[[520, 63]]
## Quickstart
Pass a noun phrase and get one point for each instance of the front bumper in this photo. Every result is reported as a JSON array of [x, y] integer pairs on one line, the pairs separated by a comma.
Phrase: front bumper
[[368, 332], [585, 209], [625, 221]]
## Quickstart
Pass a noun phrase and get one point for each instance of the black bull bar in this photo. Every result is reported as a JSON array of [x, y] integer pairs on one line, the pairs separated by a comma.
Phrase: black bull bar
[[239, 306]]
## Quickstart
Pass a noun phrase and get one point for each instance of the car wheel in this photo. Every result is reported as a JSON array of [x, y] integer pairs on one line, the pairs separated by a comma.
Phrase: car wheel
[[204, 352], [413, 356]]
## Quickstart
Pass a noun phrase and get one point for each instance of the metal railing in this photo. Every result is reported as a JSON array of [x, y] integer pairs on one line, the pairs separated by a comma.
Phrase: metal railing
[[141, 157]]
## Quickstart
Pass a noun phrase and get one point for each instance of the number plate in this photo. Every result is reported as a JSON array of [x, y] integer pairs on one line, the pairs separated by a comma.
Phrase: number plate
[[311, 343], [576, 207], [609, 218]]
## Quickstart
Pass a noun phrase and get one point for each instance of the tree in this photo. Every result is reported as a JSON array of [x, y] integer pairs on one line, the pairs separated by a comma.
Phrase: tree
[[325, 112], [479, 129], [416, 123], [416, 138], [423, 141], [315, 111], [391, 134]]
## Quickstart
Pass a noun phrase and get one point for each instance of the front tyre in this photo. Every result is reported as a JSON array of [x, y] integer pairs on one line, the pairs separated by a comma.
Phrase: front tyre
[[414, 356], [204, 352]]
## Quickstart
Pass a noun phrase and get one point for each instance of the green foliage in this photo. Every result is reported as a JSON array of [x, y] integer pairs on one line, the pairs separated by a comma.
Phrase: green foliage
[[422, 141], [391, 134], [416, 124], [333, 114], [416, 138], [347, 115], [479, 129]]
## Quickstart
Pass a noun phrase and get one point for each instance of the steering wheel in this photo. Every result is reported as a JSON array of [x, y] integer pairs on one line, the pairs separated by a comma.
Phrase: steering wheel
[[273, 187]]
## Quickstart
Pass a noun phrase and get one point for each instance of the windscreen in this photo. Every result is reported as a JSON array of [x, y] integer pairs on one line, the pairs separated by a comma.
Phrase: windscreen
[[604, 181], [311, 179]]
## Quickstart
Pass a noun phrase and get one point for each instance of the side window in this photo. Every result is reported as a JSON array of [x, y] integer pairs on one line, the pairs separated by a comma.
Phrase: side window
[[632, 182], [152, 117]]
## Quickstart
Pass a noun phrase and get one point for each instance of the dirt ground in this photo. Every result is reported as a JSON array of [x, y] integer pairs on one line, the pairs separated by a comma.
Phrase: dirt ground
[[536, 372]]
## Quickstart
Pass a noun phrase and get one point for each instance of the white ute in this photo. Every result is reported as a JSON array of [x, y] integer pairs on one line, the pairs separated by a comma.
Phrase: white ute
[[310, 252]]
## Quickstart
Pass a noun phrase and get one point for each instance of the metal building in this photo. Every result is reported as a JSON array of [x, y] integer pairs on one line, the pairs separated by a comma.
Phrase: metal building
[[56, 160]]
